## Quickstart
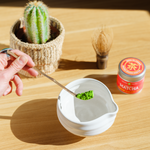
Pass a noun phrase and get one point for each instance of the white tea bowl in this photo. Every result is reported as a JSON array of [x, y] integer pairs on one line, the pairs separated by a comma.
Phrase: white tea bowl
[[86, 117]]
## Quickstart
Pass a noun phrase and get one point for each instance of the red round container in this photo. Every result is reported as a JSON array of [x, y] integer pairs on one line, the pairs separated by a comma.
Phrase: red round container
[[131, 75]]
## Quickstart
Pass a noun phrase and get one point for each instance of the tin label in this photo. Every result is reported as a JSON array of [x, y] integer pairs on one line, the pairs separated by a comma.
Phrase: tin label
[[132, 66], [129, 87]]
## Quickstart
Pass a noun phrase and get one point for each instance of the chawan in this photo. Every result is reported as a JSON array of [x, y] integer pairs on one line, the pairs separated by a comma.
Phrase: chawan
[[90, 117]]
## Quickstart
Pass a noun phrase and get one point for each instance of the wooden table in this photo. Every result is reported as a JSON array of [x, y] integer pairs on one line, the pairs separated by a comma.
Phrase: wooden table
[[30, 121]]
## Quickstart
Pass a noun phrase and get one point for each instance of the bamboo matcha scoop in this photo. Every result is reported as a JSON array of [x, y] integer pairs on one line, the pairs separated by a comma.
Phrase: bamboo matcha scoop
[[83, 96]]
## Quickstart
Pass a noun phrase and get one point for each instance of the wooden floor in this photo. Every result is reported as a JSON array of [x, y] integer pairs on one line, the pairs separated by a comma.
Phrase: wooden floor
[[30, 121]]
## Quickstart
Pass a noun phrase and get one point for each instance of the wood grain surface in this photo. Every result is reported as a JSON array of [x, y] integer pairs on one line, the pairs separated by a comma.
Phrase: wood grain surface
[[30, 121]]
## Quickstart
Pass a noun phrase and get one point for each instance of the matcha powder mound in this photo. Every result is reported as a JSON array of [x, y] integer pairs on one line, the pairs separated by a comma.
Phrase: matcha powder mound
[[85, 96]]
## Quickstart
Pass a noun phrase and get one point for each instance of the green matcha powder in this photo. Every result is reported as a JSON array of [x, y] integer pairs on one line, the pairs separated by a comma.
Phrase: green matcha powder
[[85, 96]]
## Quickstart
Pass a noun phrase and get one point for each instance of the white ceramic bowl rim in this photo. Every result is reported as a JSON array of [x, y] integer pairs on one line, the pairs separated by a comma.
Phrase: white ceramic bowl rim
[[89, 122]]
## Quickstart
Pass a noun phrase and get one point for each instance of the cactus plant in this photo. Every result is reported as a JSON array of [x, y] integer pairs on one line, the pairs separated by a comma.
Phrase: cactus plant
[[37, 22]]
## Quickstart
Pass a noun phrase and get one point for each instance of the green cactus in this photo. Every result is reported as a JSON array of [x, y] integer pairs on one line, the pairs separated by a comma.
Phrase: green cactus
[[37, 22]]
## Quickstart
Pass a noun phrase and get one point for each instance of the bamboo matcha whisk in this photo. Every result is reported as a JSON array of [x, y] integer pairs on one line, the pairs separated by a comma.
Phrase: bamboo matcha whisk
[[102, 40]]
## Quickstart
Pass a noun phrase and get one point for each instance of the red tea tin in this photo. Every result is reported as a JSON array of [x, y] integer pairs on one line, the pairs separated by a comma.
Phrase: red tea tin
[[131, 75]]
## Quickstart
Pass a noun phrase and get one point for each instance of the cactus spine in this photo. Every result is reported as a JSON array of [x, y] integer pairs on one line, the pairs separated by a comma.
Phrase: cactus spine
[[37, 22]]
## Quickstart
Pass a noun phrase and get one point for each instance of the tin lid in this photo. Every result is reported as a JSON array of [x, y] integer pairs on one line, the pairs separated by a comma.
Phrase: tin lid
[[132, 69]]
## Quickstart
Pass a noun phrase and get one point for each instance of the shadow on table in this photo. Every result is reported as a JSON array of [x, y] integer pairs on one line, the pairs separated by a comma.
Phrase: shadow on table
[[65, 64], [36, 122], [109, 80]]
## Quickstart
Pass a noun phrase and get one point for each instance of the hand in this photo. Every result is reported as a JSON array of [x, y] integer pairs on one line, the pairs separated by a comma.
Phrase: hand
[[8, 71]]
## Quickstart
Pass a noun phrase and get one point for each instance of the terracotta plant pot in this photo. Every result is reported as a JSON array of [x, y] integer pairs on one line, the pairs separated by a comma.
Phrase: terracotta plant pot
[[45, 56]]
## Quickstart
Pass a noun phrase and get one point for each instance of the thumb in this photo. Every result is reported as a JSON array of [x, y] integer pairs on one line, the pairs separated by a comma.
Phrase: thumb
[[16, 65]]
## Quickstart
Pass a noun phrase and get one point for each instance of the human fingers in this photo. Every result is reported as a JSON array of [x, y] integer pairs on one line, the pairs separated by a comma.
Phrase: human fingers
[[8, 90], [3, 61], [20, 53], [31, 71], [30, 63], [18, 83], [4, 82], [15, 67]]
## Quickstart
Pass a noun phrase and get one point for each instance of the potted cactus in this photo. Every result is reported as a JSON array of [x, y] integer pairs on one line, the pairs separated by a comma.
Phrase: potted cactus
[[38, 35]]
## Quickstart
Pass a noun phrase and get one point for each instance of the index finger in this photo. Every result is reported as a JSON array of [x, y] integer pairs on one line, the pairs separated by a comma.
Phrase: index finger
[[3, 61], [19, 53]]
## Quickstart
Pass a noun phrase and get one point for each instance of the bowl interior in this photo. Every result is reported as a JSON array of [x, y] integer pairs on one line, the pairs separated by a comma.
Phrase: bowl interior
[[78, 110]]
